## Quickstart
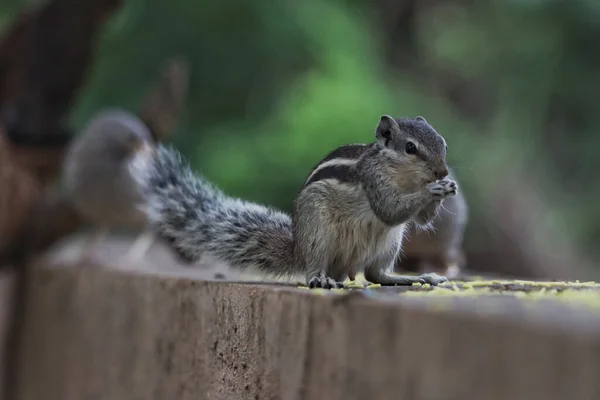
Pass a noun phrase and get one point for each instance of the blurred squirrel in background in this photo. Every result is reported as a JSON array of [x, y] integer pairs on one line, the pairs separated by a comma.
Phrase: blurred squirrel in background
[[96, 172], [96, 176], [438, 249], [349, 216]]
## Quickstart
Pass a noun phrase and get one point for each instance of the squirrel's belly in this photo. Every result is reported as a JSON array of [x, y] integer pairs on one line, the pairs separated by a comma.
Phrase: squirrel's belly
[[363, 244]]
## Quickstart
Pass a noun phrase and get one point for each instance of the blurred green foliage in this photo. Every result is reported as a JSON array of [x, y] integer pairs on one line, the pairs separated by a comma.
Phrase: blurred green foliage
[[276, 85]]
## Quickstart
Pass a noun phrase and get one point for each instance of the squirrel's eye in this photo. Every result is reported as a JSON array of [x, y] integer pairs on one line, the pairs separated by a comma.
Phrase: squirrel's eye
[[410, 148]]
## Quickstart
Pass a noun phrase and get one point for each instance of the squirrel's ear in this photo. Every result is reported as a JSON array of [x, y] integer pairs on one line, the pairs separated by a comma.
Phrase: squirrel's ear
[[419, 118], [385, 129]]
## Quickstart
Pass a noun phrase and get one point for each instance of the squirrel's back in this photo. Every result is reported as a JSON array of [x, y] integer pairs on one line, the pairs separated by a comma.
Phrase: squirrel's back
[[199, 220]]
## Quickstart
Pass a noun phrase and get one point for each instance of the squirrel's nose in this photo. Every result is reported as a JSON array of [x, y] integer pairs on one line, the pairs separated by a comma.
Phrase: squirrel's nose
[[441, 173]]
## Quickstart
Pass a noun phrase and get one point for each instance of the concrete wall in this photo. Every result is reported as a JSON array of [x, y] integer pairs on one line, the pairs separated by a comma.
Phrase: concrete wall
[[95, 334], [7, 286]]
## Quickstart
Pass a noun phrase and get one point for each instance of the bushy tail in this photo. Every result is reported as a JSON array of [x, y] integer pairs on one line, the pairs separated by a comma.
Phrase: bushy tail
[[197, 219]]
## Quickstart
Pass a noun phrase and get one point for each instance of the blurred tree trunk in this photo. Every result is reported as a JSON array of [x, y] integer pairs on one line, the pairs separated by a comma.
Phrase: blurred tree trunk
[[399, 23], [44, 59]]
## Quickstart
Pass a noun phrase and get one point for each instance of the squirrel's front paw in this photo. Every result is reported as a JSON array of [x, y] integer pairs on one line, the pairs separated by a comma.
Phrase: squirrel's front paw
[[324, 282], [442, 189]]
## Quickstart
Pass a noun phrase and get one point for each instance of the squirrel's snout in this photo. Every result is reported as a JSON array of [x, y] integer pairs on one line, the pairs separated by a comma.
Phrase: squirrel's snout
[[441, 173]]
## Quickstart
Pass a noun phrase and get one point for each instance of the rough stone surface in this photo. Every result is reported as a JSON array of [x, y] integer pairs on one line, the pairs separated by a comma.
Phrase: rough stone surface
[[98, 333], [7, 280]]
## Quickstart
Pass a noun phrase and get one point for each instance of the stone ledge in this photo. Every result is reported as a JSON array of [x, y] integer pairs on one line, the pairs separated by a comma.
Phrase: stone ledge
[[96, 333]]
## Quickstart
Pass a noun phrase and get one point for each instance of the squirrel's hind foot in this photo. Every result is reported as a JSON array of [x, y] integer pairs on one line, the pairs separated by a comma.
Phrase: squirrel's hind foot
[[433, 278], [400, 280], [324, 282]]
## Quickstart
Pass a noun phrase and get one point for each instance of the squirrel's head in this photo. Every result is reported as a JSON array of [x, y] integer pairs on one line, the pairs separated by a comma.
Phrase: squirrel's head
[[117, 135], [413, 149]]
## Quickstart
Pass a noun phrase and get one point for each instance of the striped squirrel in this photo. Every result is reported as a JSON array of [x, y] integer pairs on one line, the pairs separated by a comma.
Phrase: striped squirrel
[[438, 249], [349, 216]]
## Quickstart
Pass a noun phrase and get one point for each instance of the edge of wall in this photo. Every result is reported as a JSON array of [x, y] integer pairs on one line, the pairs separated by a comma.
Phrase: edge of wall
[[100, 333]]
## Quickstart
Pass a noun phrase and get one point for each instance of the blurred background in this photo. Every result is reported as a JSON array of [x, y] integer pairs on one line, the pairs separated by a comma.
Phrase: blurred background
[[512, 86]]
